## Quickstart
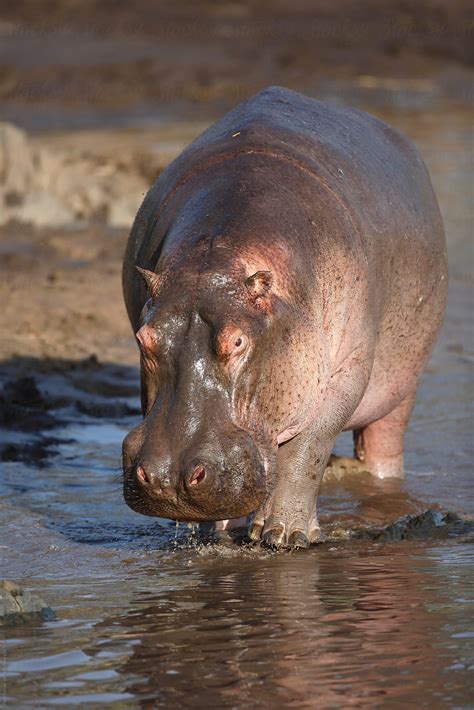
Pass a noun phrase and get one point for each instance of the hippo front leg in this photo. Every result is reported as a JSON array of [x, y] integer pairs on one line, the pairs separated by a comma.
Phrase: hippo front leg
[[288, 517]]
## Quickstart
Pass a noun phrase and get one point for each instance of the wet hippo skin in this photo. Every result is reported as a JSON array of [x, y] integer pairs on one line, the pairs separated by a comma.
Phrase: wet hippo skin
[[291, 282]]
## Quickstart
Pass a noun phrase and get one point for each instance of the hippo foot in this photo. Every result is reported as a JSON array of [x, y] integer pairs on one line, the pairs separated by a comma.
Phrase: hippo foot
[[280, 535]]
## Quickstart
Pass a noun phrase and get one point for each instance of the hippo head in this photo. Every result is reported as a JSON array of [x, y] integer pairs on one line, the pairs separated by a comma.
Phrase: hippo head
[[203, 451]]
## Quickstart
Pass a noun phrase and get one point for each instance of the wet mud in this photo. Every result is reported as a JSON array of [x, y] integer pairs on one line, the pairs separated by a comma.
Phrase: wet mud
[[38, 404]]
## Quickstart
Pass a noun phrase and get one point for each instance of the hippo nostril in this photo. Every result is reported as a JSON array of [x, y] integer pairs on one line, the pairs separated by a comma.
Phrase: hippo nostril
[[141, 475], [197, 476], [155, 485]]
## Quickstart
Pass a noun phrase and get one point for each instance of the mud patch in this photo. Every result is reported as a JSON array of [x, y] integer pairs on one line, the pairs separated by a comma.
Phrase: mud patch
[[57, 393], [32, 453], [24, 410], [23, 406], [431, 523]]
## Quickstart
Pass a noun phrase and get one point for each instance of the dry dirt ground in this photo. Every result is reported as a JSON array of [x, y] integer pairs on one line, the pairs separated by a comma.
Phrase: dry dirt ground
[[61, 294], [112, 53]]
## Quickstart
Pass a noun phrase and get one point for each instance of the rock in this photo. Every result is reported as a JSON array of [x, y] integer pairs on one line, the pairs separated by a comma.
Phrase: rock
[[431, 523], [19, 607], [16, 163], [22, 195], [50, 170], [121, 213], [55, 188], [42, 210]]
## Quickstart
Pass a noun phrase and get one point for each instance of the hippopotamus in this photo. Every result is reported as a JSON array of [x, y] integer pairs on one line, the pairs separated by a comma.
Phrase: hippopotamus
[[286, 279]]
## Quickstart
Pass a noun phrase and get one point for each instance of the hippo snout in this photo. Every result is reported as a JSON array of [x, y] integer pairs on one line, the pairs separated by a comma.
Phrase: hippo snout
[[210, 482], [154, 482]]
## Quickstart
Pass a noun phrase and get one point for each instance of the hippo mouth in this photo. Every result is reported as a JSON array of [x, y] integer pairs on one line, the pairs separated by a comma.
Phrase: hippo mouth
[[195, 499]]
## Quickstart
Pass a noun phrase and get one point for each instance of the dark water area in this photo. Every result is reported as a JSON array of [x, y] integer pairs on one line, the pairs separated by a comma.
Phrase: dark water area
[[147, 615]]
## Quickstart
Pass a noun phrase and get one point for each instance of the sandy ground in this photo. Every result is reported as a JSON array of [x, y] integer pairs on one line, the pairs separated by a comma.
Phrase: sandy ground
[[61, 294], [60, 287]]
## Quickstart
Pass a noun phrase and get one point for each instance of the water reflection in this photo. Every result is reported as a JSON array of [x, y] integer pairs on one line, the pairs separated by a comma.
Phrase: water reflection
[[334, 628]]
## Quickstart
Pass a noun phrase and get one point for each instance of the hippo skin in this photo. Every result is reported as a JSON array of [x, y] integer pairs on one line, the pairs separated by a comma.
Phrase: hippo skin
[[286, 279]]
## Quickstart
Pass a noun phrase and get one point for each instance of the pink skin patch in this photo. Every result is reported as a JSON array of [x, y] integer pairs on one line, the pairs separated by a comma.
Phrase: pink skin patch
[[147, 342], [141, 475], [198, 476], [146, 339], [289, 433], [273, 258]]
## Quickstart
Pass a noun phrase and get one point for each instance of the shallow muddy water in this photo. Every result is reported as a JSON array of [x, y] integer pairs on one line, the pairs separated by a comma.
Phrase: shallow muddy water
[[147, 615]]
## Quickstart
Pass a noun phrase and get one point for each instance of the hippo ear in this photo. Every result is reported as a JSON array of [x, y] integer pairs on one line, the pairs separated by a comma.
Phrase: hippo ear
[[259, 283], [152, 280]]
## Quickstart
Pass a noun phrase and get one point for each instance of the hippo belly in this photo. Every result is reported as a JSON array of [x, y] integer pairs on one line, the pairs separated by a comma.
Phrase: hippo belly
[[286, 279]]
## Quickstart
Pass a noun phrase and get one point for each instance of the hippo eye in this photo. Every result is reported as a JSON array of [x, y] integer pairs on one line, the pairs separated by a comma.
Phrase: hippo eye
[[231, 343], [239, 344]]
